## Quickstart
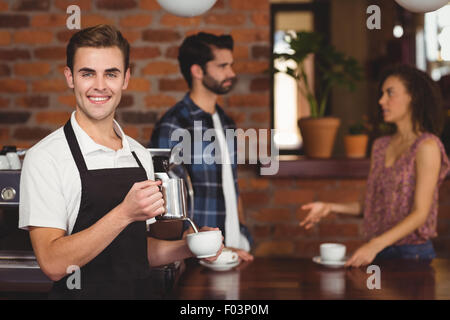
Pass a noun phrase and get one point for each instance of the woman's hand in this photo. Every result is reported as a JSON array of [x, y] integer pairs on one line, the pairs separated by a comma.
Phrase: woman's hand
[[318, 210], [364, 255]]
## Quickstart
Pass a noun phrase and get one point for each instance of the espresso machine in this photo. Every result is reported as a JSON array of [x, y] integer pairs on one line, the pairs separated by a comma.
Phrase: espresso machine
[[20, 275]]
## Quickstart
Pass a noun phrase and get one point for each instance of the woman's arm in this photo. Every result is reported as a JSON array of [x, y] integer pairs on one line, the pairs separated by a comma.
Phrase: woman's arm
[[428, 164]]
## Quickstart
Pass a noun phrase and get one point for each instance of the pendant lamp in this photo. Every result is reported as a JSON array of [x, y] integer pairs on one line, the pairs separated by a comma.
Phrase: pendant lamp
[[422, 5], [186, 8]]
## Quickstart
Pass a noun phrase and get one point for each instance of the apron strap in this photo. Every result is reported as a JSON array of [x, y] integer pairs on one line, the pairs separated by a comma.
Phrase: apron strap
[[137, 159], [74, 147]]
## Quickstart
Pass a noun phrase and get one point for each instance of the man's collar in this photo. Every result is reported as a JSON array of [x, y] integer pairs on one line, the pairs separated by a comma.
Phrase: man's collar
[[195, 111], [87, 145]]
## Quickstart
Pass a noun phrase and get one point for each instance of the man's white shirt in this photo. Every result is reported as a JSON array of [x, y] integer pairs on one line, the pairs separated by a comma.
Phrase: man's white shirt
[[50, 184]]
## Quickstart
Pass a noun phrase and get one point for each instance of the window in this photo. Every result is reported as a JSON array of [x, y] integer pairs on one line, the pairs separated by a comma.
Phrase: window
[[288, 104], [437, 43]]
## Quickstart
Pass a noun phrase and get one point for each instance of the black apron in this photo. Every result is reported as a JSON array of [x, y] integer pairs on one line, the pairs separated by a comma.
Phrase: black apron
[[121, 270]]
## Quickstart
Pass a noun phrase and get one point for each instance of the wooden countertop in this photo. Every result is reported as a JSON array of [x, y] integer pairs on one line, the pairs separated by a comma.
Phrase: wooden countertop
[[302, 279]]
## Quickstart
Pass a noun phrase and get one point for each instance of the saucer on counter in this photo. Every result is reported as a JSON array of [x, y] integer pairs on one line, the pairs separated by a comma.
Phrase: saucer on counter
[[221, 266], [329, 263]]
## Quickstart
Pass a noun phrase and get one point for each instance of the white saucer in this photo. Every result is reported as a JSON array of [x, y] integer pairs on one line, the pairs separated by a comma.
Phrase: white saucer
[[331, 264], [219, 267]]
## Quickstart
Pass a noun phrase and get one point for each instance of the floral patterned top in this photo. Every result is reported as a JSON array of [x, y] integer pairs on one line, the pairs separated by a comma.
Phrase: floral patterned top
[[390, 191]]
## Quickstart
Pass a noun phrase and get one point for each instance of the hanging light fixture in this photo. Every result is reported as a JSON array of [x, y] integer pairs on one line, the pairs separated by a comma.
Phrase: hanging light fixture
[[422, 5], [186, 8]]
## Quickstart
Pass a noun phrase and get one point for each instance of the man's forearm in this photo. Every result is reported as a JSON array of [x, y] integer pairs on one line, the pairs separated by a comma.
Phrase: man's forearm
[[56, 253], [162, 252]]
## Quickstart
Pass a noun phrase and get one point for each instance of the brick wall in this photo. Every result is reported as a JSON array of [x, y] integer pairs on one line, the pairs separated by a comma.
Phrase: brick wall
[[34, 101], [273, 211]]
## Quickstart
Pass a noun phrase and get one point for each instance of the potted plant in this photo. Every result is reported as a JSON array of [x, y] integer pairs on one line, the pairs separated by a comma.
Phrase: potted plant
[[356, 140], [333, 69]]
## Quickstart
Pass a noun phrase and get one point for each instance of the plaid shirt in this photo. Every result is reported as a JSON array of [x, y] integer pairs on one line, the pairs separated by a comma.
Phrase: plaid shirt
[[209, 202]]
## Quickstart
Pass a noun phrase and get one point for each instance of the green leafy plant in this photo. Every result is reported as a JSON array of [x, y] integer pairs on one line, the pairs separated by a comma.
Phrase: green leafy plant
[[334, 68]]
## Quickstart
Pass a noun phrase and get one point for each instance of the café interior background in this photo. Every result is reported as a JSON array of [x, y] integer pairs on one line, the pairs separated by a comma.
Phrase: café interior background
[[34, 98]]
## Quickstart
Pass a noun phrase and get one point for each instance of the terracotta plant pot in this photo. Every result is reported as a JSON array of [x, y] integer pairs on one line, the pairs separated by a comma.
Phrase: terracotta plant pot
[[356, 145], [319, 135]]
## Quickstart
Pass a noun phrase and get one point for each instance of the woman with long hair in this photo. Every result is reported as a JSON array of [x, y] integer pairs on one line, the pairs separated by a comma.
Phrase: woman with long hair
[[401, 203]]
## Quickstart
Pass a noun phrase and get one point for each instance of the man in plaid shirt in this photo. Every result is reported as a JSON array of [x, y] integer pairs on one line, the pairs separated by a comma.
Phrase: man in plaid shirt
[[206, 64]]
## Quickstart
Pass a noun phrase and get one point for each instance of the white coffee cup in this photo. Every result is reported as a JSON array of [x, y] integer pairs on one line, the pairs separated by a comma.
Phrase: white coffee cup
[[14, 160], [332, 252], [204, 244], [4, 163], [226, 256]]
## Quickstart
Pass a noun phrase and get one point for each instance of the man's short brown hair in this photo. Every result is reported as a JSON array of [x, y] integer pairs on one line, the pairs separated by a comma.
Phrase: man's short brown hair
[[100, 36]]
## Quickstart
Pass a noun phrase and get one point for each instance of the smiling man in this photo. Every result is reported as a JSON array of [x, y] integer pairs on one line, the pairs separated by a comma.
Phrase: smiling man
[[87, 189]]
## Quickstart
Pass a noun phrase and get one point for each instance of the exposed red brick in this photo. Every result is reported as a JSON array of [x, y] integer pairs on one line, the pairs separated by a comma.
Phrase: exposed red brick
[[90, 20], [33, 101], [50, 53], [85, 5], [137, 20], [134, 117], [272, 215], [261, 18], [57, 118], [32, 68], [250, 4], [49, 20], [248, 100], [251, 67], [169, 20], [149, 5], [144, 52], [138, 84], [4, 6], [33, 37], [260, 84], [5, 70], [14, 54], [31, 5], [13, 86], [49, 85], [126, 101], [160, 35], [172, 85], [4, 136], [14, 21], [161, 68], [227, 19], [13, 117], [172, 52], [4, 102], [338, 230], [5, 38], [159, 100], [274, 248], [116, 4], [250, 35], [32, 134], [282, 196]]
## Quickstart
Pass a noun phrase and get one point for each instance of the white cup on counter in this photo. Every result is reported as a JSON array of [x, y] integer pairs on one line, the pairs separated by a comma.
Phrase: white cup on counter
[[332, 252], [4, 162], [14, 161]]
